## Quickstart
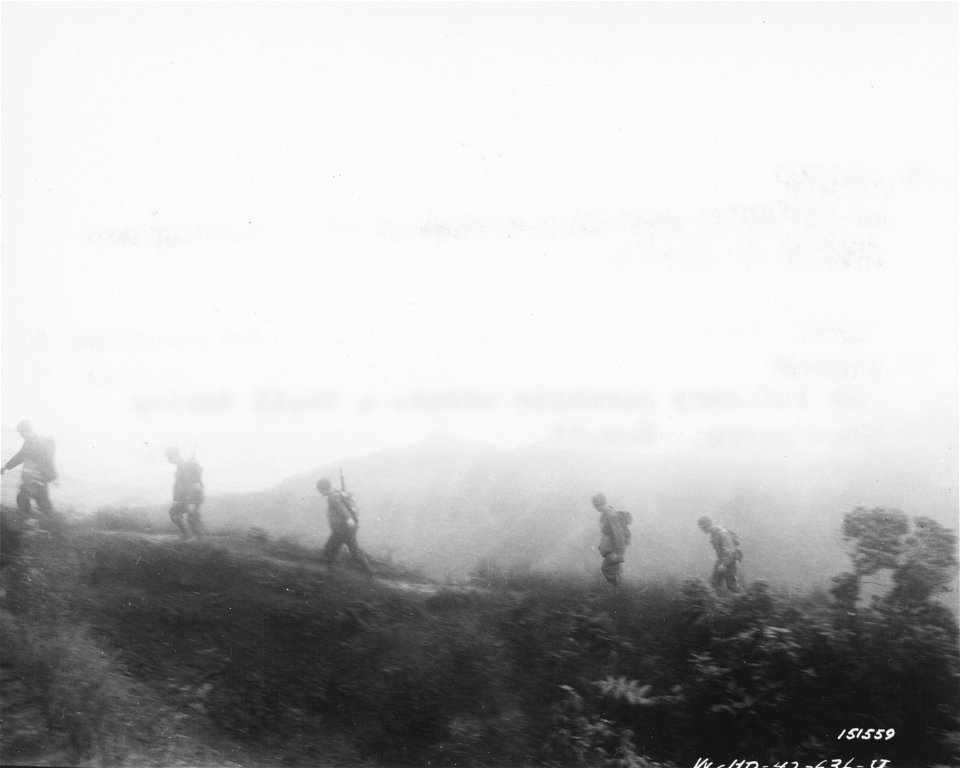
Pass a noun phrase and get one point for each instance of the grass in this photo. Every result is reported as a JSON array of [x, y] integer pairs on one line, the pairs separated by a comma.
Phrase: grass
[[241, 650], [67, 700]]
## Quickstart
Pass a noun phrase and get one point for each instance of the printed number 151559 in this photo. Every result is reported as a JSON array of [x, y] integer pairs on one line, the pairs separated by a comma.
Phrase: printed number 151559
[[875, 734]]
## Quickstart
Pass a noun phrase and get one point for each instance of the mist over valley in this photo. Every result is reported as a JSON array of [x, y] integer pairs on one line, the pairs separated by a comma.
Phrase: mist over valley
[[448, 505]]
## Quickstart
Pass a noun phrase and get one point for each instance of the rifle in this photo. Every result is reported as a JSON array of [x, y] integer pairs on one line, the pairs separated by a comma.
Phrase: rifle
[[343, 485]]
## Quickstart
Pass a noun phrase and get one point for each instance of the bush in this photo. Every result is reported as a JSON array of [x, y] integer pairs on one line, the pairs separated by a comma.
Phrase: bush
[[286, 660]]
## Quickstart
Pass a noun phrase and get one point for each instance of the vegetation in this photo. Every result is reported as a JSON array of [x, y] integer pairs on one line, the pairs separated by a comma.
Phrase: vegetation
[[243, 651]]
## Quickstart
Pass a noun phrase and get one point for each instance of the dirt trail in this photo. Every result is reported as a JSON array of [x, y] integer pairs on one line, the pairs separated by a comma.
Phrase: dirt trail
[[105, 568], [239, 549]]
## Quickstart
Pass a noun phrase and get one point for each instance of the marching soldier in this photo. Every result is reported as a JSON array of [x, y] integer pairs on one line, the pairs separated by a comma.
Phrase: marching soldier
[[38, 472], [727, 546], [614, 537], [344, 520], [187, 494]]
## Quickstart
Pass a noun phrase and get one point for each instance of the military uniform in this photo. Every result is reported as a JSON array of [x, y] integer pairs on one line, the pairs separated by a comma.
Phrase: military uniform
[[343, 521], [187, 498], [728, 558], [614, 539], [38, 472]]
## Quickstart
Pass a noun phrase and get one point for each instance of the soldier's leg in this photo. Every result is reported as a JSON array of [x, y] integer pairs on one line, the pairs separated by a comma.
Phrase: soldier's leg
[[23, 502], [193, 518], [611, 569], [332, 548], [357, 552], [41, 495], [176, 514], [47, 514], [716, 580], [617, 572], [733, 579]]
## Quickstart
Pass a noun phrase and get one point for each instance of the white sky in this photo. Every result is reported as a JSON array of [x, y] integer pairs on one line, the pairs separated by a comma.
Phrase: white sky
[[284, 233]]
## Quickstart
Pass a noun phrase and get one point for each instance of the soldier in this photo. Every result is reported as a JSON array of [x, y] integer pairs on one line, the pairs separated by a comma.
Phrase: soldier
[[343, 519], [727, 546], [38, 472], [187, 494], [614, 537]]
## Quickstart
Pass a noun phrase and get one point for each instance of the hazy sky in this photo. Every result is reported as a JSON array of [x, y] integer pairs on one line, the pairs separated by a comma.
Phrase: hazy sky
[[285, 233]]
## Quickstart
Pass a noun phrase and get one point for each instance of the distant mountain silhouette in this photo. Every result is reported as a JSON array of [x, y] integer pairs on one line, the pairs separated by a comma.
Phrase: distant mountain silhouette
[[449, 504]]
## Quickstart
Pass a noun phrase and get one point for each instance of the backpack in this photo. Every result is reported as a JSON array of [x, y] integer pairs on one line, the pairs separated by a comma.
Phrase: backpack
[[625, 519], [349, 502], [191, 473], [189, 483], [49, 468], [736, 543]]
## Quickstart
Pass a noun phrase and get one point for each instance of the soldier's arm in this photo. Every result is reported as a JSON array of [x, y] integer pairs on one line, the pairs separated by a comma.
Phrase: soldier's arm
[[17, 459]]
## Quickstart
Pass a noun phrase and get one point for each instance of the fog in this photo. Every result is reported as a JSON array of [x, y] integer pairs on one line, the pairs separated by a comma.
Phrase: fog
[[701, 257], [453, 508]]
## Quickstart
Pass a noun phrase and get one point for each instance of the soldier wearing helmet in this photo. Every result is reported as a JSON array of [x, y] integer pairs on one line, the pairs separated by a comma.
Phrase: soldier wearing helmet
[[344, 520], [727, 546], [38, 472], [614, 537], [187, 494]]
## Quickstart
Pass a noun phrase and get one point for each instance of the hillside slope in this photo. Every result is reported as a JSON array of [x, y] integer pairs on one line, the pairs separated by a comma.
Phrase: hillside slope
[[130, 648], [139, 649], [449, 505]]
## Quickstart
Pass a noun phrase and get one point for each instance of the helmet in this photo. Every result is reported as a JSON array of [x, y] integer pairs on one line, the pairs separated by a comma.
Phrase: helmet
[[173, 453], [599, 499], [705, 521], [324, 485], [25, 427]]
